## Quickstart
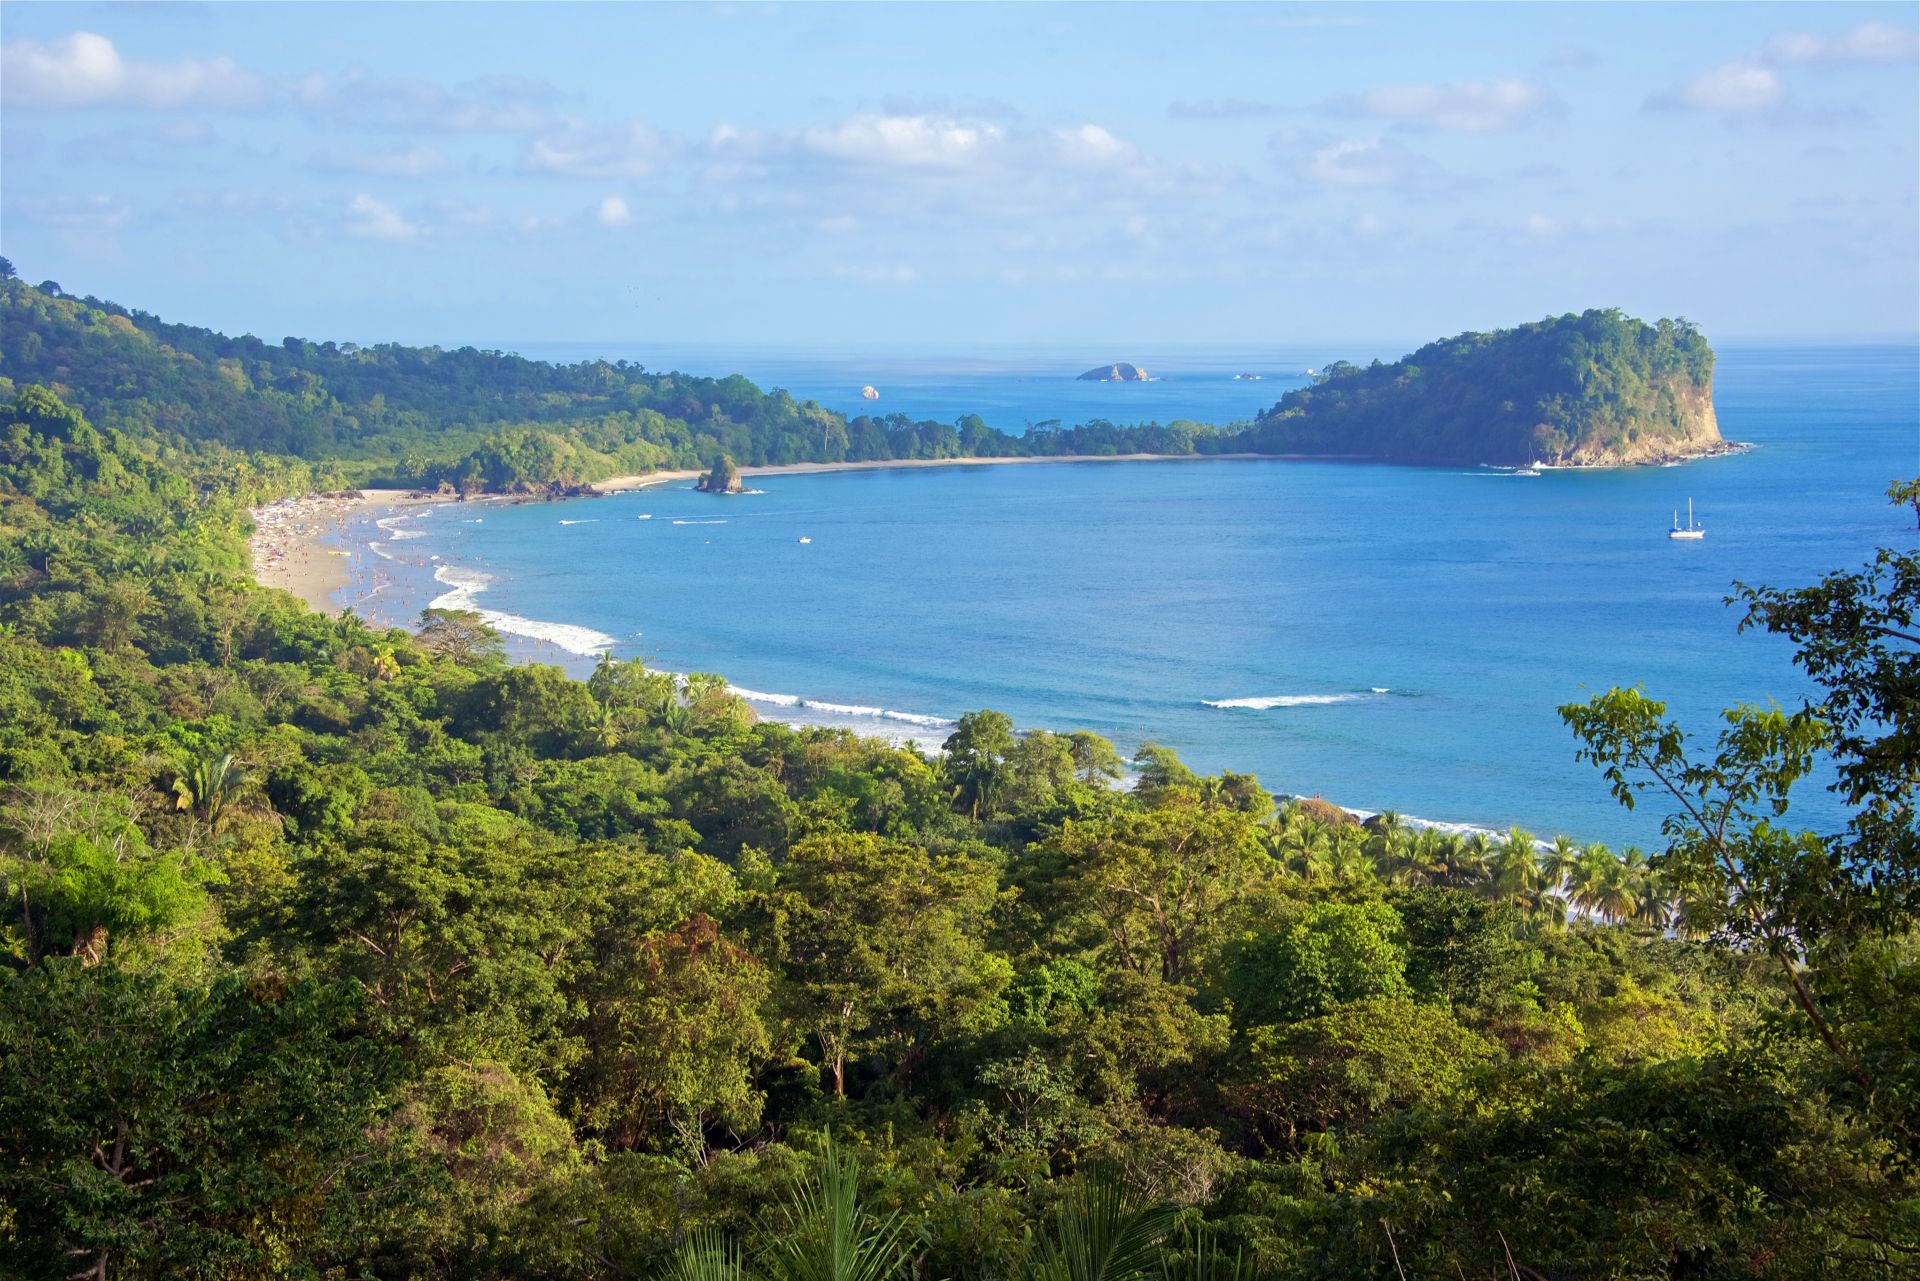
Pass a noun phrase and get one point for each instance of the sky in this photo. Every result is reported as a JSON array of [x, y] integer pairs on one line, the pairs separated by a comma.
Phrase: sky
[[966, 176]]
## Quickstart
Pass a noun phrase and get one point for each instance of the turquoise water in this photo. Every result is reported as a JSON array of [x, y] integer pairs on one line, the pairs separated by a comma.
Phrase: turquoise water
[[1383, 636]]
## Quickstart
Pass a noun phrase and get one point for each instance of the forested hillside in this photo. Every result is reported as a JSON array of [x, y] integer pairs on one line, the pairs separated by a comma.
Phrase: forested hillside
[[333, 952], [1597, 388], [479, 419]]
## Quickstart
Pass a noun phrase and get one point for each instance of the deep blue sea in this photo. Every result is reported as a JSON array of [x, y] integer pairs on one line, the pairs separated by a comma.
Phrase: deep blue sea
[[1387, 637]]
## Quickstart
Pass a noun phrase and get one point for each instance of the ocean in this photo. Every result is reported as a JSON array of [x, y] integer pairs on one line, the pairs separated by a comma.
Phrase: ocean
[[1382, 636]]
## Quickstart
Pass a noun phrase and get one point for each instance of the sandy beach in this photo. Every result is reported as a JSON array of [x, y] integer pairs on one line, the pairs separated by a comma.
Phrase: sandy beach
[[619, 484], [289, 540], [289, 548]]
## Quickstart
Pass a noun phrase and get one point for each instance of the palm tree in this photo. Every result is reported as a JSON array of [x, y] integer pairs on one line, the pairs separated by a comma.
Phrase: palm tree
[[823, 1233], [707, 1255], [1306, 851], [208, 786], [1513, 871], [1557, 862], [829, 1235], [1100, 1235], [607, 730], [385, 666], [1653, 907], [1348, 859], [1588, 872], [1388, 845], [1463, 860], [1610, 890]]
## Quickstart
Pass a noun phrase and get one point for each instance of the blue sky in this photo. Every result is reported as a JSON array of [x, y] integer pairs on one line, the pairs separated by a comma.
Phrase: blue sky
[[965, 176]]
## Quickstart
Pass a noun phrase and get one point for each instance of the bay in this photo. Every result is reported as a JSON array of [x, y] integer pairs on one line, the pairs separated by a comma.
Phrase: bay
[[1388, 637]]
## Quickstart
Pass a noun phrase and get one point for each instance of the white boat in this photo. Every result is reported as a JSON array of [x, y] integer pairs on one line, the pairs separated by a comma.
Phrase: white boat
[[644, 516], [1689, 530], [1526, 471], [805, 539]]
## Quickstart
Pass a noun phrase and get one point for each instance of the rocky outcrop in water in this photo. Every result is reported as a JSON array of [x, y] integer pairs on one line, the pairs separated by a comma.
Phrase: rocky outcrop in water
[[1121, 372], [723, 479]]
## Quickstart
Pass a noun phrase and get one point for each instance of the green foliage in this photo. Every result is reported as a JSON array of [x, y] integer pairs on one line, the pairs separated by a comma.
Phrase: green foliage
[[470, 419], [1332, 954], [327, 951], [1597, 385], [1101, 1234], [220, 1132], [1359, 1061]]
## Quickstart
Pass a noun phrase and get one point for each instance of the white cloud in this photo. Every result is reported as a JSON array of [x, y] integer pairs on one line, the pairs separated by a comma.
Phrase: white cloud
[[912, 142], [614, 212], [1734, 88], [85, 70], [630, 152], [1089, 144], [1468, 107], [1753, 87], [372, 219], [403, 162], [1869, 42], [1359, 162]]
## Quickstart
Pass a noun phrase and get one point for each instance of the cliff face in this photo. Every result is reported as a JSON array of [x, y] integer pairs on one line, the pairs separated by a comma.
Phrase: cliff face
[[1693, 431]]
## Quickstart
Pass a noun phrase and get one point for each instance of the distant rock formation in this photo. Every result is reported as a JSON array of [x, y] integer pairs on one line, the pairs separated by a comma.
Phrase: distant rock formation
[[1121, 372], [723, 479]]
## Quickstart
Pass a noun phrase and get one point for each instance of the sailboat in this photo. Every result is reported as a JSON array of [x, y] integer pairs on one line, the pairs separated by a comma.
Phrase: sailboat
[[1690, 530]]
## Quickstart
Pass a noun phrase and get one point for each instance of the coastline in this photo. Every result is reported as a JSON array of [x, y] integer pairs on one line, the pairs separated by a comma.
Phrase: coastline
[[319, 545], [646, 480], [290, 541]]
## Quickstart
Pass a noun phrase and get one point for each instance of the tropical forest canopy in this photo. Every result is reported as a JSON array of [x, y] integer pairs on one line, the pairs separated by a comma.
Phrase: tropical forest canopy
[[1595, 387], [1598, 386], [329, 951]]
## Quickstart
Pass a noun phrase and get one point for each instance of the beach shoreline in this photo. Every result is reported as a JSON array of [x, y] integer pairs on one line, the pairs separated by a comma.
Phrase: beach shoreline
[[646, 480], [289, 543], [293, 550]]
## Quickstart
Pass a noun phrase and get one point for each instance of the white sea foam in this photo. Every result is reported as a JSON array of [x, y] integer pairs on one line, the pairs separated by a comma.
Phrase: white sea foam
[[699, 522], [755, 696], [466, 584], [852, 710], [917, 718], [1437, 824], [1284, 700], [593, 521], [843, 709]]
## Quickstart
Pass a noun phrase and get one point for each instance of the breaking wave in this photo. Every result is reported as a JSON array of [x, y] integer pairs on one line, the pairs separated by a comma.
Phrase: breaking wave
[[464, 585], [851, 710]]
